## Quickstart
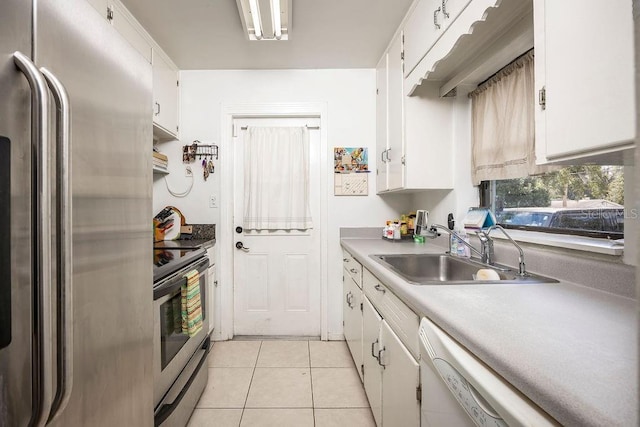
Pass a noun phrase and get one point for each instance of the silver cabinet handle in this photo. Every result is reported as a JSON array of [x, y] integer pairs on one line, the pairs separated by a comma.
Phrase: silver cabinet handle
[[42, 366], [387, 154], [345, 259], [64, 244], [353, 270], [157, 113], [444, 9], [349, 296], [373, 344], [435, 18], [380, 356], [380, 288]]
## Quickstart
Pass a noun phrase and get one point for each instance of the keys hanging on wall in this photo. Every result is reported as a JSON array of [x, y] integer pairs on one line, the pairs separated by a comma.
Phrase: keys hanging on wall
[[207, 168]]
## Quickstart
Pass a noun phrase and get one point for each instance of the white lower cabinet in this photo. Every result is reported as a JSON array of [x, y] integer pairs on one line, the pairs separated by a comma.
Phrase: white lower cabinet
[[400, 381], [371, 322], [391, 374], [352, 315]]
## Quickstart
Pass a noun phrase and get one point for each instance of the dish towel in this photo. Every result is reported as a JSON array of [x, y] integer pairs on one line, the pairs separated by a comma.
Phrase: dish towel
[[191, 304]]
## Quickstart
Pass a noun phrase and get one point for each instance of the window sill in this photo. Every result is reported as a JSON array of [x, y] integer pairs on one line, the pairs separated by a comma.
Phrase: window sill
[[580, 243]]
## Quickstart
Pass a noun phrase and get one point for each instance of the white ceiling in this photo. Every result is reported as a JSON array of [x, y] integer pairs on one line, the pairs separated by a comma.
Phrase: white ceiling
[[208, 34]]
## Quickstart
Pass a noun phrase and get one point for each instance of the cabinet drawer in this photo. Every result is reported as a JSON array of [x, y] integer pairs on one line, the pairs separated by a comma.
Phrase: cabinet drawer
[[401, 318], [353, 267]]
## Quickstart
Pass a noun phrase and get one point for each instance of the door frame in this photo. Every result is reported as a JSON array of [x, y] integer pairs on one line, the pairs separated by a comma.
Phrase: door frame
[[225, 238]]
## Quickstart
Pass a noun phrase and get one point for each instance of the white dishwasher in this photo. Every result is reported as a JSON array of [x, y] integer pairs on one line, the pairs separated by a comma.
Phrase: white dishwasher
[[458, 390]]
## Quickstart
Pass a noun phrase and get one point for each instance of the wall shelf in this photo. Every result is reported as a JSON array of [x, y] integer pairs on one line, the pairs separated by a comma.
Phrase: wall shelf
[[160, 171]]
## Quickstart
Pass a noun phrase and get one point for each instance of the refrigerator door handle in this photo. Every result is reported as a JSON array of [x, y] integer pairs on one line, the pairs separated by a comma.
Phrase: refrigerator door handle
[[64, 244], [42, 366]]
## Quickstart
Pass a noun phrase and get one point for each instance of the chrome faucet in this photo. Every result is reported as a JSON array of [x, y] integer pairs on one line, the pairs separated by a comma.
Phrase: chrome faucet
[[522, 270]]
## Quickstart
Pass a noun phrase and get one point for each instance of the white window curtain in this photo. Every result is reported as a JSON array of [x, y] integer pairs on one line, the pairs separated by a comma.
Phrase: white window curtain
[[503, 124], [276, 179]]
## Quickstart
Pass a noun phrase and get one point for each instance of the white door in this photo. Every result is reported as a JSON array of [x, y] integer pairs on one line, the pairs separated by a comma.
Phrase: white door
[[277, 275], [400, 380], [372, 369]]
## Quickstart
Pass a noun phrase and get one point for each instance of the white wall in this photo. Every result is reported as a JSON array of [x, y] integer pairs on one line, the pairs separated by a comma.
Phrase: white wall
[[465, 194], [350, 99]]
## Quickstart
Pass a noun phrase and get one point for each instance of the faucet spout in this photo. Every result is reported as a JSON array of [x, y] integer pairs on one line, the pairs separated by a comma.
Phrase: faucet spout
[[522, 270]]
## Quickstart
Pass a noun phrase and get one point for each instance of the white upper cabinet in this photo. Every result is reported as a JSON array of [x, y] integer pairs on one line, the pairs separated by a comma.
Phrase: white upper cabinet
[[381, 123], [421, 31], [395, 152], [125, 24], [415, 134], [165, 95], [425, 25], [585, 66], [131, 30]]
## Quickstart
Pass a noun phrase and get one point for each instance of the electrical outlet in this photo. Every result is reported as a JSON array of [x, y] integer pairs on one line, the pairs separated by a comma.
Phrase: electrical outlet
[[188, 171], [213, 201]]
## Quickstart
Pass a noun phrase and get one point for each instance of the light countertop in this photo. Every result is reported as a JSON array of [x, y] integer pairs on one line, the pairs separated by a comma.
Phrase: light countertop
[[571, 349]]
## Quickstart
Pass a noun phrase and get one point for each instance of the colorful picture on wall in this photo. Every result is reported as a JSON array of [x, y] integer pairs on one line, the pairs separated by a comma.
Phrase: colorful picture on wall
[[350, 159]]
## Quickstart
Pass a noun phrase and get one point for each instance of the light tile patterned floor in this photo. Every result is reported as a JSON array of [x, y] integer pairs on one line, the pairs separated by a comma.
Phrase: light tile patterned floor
[[282, 383]]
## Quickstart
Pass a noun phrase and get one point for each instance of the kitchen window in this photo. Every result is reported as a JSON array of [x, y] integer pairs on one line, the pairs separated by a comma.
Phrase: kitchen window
[[577, 200]]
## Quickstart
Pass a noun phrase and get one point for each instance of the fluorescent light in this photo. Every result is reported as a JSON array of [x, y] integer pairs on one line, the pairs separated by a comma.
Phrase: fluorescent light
[[255, 16], [276, 15], [277, 23]]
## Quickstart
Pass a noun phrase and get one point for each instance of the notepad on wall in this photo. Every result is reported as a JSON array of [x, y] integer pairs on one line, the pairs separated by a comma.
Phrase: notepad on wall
[[478, 218]]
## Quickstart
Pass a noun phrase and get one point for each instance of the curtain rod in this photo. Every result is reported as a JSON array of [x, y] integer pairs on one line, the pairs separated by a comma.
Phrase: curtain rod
[[308, 127]]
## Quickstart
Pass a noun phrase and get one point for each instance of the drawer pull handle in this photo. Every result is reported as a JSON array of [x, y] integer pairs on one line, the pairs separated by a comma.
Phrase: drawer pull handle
[[373, 344], [349, 296], [353, 270], [345, 259], [380, 288]]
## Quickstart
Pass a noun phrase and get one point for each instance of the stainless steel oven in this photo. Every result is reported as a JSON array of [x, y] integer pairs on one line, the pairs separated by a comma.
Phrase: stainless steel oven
[[179, 363]]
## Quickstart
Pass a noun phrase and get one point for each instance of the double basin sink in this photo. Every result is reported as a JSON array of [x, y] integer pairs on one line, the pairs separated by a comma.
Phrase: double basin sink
[[439, 269]]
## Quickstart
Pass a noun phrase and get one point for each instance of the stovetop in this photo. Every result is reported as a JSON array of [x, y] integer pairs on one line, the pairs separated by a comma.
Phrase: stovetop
[[168, 259]]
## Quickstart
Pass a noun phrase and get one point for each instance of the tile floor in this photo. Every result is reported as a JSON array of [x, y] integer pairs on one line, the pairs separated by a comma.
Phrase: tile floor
[[282, 383]]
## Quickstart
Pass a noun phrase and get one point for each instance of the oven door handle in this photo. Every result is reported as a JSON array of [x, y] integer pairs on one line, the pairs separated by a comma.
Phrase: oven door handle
[[175, 281], [165, 410]]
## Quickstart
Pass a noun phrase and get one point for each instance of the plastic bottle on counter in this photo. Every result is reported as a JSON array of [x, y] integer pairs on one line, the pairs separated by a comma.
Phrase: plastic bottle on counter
[[396, 231], [389, 230], [463, 250]]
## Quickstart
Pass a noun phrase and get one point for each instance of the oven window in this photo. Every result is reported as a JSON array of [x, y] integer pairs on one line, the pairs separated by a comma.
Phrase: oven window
[[172, 339]]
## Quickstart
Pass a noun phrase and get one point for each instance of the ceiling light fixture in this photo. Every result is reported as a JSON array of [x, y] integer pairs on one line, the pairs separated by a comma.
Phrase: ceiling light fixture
[[255, 17], [277, 22], [265, 19]]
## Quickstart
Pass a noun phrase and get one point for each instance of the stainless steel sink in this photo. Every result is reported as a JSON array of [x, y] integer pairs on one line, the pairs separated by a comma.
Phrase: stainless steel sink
[[438, 269]]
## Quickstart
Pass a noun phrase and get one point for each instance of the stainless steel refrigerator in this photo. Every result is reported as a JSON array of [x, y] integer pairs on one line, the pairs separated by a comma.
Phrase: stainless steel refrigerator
[[76, 321]]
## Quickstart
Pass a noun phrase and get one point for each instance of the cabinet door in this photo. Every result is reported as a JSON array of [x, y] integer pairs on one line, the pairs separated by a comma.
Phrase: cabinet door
[[371, 321], [588, 72], [101, 6], [124, 23], [352, 316], [396, 128], [450, 11], [165, 94], [400, 380], [423, 28], [381, 124]]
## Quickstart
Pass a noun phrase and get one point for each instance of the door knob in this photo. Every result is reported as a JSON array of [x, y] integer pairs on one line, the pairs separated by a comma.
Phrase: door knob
[[239, 245], [238, 229]]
